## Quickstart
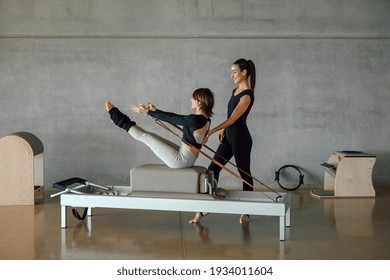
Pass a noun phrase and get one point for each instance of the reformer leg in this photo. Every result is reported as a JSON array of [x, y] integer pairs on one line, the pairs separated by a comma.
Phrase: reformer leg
[[288, 218], [282, 228], [63, 216]]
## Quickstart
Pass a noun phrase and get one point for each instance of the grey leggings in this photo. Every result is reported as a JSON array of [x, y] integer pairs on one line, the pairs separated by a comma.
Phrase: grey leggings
[[172, 155]]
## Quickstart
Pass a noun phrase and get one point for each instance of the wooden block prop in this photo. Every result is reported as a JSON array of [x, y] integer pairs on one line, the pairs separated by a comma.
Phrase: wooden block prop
[[21, 169], [348, 174]]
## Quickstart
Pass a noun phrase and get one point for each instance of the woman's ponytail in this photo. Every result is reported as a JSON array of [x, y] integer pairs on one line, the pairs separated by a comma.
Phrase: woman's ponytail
[[250, 68], [252, 76]]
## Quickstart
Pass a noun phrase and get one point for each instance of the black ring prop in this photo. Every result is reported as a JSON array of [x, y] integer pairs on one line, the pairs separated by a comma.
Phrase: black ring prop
[[277, 174]]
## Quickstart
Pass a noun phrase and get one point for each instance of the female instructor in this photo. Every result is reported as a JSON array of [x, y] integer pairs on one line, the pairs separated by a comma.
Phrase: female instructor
[[235, 138]]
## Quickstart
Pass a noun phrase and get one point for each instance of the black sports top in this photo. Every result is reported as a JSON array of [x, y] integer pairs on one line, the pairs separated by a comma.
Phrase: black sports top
[[239, 128], [190, 123]]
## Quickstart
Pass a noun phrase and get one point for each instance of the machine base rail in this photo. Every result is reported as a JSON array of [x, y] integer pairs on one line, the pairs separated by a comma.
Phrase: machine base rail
[[236, 202]]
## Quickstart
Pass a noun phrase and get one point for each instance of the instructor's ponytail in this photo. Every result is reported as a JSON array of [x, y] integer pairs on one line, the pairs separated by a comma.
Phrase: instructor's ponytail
[[252, 74], [250, 68]]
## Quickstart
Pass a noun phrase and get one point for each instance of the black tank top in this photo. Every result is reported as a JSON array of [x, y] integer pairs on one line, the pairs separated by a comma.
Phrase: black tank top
[[239, 129]]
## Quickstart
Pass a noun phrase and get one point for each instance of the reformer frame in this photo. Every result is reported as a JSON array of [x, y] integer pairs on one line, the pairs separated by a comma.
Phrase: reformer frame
[[236, 202], [270, 203]]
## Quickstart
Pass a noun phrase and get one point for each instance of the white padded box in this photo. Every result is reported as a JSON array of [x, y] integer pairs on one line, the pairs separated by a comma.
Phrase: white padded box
[[161, 178]]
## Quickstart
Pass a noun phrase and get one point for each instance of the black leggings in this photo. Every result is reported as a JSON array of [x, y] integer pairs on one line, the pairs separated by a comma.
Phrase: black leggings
[[241, 152]]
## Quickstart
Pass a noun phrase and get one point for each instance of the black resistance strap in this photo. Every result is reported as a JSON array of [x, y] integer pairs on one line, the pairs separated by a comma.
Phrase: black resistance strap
[[77, 215]]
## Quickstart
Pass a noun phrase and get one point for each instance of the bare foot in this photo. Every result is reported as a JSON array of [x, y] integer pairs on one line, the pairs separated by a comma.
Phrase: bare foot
[[109, 105], [198, 216], [244, 219]]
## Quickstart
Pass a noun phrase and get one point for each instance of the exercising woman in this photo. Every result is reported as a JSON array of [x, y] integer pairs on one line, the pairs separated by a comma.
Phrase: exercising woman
[[194, 126], [235, 138]]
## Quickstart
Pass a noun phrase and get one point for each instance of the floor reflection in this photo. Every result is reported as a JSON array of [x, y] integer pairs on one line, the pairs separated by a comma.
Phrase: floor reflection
[[342, 228], [353, 216]]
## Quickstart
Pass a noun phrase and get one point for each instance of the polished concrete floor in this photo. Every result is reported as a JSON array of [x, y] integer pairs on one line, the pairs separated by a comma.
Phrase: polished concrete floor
[[321, 229]]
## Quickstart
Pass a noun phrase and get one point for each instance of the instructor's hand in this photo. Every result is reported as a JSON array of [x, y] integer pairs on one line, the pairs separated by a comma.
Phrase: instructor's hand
[[205, 139], [221, 135]]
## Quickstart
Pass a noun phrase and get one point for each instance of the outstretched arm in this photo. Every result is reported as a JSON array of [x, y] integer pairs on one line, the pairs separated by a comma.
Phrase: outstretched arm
[[150, 109]]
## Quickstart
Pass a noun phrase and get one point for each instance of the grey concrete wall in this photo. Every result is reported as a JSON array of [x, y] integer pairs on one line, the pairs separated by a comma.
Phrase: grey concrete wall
[[323, 71]]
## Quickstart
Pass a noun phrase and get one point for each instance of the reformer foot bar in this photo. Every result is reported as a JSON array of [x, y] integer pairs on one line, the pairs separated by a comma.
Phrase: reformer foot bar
[[123, 197]]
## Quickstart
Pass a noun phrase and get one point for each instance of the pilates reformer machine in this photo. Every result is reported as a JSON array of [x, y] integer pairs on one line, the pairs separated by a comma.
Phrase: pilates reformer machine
[[185, 190], [158, 187]]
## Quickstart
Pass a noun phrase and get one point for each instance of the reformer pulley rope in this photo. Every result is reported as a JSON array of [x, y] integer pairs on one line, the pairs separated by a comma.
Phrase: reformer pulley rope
[[160, 123]]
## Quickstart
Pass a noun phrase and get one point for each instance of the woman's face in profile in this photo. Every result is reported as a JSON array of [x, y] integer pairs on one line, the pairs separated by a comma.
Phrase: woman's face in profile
[[236, 74]]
